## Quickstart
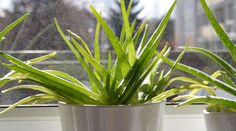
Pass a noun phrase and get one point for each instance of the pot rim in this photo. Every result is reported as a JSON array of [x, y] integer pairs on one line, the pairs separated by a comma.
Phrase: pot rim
[[205, 112], [110, 106]]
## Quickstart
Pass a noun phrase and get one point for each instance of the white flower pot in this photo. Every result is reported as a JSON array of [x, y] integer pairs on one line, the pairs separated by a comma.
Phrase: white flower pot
[[220, 121], [148, 117]]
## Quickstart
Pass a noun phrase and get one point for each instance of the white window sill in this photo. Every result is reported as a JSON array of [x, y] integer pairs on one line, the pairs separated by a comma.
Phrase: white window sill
[[47, 119]]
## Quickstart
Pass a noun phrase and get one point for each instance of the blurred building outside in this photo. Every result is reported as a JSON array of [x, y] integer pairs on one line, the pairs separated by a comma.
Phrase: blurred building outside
[[192, 24]]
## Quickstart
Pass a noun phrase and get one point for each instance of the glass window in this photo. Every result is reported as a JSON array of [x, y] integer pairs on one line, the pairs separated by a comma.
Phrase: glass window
[[37, 35]]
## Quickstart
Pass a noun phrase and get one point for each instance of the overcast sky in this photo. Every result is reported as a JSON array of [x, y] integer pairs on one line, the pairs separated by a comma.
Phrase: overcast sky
[[5, 4], [155, 8], [151, 8]]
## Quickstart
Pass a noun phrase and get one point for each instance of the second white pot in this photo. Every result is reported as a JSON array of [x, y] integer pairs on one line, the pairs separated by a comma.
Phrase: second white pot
[[220, 121]]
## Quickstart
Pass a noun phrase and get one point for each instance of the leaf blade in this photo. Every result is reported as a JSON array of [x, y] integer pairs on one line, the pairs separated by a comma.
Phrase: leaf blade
[[12, 26], [219, 30]]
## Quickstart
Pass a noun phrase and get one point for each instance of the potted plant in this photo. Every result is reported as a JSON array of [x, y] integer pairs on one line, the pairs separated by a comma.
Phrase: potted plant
[[220, 115], [127, 94]]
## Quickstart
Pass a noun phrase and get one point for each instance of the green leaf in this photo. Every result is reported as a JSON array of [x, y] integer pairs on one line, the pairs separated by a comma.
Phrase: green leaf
[[228, 79], [12, 76], [108, 84], [72, 94], [216, 74], [109, 61], [33, 87], [72, 48], [48, 78], [163, 82], [41, 58], [111, 35], [139, 32], [12, 26], [210, 100], [228, 68], [97, 48], [65, 76], [185, 79], [96, 43], [225, 77], [143, 41], [202, 75], [94, 80], [198, 85], [129, 8], [169, 93], [97, 66], [97, 86], [85, 47], [133, 25], [122, 35], [129, 41], [150, 47], [135, 78], [30, 99], [220, 32], [168, 74], [114, 41]]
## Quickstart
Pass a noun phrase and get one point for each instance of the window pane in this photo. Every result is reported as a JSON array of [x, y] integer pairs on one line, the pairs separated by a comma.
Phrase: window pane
[[37, 35]]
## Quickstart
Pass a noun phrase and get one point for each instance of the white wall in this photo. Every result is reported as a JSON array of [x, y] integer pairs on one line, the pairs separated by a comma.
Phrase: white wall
[[47, 119]]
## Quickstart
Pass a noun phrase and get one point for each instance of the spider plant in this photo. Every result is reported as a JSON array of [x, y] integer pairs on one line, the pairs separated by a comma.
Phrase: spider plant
[[134, 77], [223, 79]]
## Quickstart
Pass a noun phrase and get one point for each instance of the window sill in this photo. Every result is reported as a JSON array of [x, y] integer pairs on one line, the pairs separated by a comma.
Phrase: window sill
[[41, 118]]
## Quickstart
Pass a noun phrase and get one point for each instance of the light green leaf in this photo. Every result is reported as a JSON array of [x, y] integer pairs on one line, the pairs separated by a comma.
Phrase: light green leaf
[[12, 26], [97, 48], [94, 80], [150, 47], [135, 78], [129, 46], [228, 68], [97, 66], [216, 74], [33, 87], [114, 41], [220, 32], [185, 79], [210, 100], [41, 58], [96, 43], [228, 79], [65, 76], [138, 33], [12, 76], [78, 38], [143, 41], [133, 25], [169, 93], [202, 75], [30, 99], [58, 83]]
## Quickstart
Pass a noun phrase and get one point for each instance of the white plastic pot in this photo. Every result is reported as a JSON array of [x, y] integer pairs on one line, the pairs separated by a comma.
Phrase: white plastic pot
[[147, 117], [220, 121]]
